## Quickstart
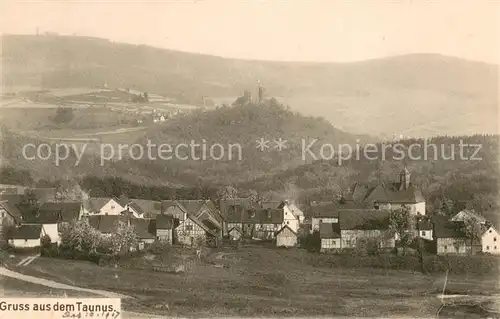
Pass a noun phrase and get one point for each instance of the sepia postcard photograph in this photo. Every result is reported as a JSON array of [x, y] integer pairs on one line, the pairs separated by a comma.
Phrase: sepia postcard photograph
[[249, 159]]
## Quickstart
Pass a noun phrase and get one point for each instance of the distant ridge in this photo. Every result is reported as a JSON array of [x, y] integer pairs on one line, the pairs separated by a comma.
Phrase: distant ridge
[[414, 95]]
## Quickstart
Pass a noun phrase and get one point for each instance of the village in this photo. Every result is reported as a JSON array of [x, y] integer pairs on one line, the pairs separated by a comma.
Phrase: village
[[366, 216]]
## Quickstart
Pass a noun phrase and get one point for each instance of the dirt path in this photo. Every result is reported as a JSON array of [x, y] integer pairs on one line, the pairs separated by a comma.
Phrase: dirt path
[[53, 284]]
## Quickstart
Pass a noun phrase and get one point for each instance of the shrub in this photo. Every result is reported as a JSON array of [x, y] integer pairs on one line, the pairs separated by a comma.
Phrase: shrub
[[312, 242], [159, 247]]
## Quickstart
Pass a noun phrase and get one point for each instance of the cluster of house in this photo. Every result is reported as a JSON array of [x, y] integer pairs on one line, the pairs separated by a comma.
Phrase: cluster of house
[[364, 213], [184, 222]]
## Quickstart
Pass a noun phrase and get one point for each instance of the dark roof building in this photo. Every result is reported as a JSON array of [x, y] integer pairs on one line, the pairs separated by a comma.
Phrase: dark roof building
[[364, 219], [164, 221], [238, 214], [12, 199], [329, 230], [150, 208], [27, 232], [68, 210], [402, 192], [13, 210], [42, 216], [449, 229], [94, 204], [144, 228], [107, 223], [285, 227]]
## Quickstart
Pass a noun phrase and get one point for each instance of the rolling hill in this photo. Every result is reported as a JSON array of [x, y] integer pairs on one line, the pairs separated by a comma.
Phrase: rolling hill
[[236, 129], [412, 95]]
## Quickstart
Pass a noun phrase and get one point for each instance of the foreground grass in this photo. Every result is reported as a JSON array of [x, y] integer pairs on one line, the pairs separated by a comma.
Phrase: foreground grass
[[267, 282], [12, 287]]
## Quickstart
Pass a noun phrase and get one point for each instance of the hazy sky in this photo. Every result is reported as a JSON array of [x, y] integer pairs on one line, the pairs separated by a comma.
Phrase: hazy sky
[[329, 30]]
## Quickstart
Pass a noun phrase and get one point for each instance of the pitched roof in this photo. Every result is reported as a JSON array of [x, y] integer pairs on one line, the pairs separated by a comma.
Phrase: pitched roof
[[203, 226], [210, 219], [321, 211], [106, 223], [330, 208], [364, 219], [386, 192], [235, 228], [449, 229], [271, 204], [94, 204], [226, 204], [27, 232], [296, 211], [151, 207], [12, 199], [12, 210], [468, 213], [329, 230], [43, 216], [69, 210], [192, 206], [283, 228], [164, 221], [238, 214], [425, 225], [142, 228], [122, 200]]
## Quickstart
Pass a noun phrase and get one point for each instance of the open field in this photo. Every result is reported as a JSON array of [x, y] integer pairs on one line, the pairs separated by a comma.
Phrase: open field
[[263, 281]]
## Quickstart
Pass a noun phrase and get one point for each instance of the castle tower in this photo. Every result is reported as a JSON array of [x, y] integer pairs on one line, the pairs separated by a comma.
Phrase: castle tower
[[260, 92], [404, 178]]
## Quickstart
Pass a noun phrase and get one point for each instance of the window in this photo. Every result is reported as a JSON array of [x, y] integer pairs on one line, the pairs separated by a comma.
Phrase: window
[[487, 247], [495, 247], [112, 206], [333, 242], [445, 247], [25, 241], [287, 222], [423, 232], [286, 213], [494, 239], [490, 231], [189, 227]]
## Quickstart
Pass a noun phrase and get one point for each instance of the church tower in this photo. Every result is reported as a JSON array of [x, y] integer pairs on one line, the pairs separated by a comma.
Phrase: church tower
[[404, 179]]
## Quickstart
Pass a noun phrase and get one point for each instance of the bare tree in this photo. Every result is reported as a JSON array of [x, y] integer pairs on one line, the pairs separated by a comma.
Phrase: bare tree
[[402, 223], [473, 230]]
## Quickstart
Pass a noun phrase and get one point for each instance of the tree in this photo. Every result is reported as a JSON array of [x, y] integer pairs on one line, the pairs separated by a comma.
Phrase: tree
[[7, 232], [402, 223], [30, 200], [63, 115], [80, 236], [123, 238], [419, 242], [10, 175], [473, 230], [227, 192]]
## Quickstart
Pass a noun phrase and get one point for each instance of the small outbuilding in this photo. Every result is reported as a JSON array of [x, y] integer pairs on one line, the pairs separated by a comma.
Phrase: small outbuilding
[[286, 237]]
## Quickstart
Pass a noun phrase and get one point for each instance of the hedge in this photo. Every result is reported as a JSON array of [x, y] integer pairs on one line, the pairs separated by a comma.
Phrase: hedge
[[477, 264]]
